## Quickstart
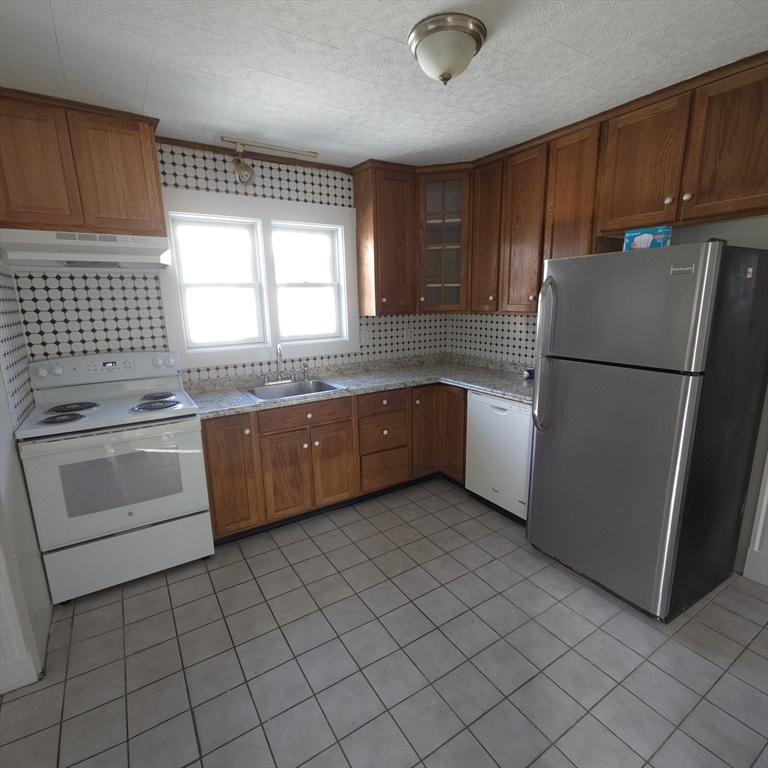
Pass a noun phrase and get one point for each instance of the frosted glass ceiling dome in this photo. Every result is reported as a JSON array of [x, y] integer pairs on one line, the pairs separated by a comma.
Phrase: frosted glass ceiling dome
[[445, 44]]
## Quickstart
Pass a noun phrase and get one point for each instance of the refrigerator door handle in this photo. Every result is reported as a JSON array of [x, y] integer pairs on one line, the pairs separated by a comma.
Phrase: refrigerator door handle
[[539, 383], [545, 330]]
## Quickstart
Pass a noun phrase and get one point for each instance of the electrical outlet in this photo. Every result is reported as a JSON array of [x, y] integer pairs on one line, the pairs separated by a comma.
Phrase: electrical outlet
[[365, 337]]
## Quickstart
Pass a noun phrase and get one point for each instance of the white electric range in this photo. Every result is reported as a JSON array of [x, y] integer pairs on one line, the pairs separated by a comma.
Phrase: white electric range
[[113, 457]]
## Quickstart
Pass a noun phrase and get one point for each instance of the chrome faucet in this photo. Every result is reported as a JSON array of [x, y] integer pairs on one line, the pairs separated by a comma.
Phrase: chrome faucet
[[279, 363]]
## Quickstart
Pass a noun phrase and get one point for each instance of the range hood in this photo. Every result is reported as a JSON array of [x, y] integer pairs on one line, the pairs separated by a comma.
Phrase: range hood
[[35, 248]]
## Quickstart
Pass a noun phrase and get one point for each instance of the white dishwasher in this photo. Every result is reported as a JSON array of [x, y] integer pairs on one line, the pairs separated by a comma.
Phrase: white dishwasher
[[499, 435]]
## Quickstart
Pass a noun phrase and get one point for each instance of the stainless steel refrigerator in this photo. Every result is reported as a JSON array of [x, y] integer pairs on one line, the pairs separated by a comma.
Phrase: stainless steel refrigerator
[[650, 379]]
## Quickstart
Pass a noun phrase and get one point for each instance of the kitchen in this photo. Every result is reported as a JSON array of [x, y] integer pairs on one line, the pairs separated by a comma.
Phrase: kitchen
[[199, 570]]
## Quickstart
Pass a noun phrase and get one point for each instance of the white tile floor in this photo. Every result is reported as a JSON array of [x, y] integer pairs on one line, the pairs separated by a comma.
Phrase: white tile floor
[[417, 629]]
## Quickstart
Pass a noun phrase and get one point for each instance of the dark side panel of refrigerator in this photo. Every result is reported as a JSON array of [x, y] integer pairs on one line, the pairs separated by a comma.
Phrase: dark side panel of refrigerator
[[731, 401]]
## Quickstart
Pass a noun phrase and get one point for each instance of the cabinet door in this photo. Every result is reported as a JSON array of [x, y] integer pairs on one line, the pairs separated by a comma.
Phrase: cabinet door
[[116, 164], [426, 430], [642, 164], [396, 248], [444, 231], [726, 169], [334, 463], [287, 463], [571, 194], [38, 185], [454, 428], [522, 223], [231, 471], [486, 237]]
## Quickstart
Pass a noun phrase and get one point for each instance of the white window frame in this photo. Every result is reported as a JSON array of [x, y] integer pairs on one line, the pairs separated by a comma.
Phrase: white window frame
[[217, 205], [257, 264]]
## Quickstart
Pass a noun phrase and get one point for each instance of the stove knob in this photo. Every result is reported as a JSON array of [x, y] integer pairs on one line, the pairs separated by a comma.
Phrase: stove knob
[[170, 362], [157, 361], [57, 370], [42, 372]]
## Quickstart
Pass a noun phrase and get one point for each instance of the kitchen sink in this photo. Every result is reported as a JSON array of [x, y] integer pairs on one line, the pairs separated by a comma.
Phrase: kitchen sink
[[282, 390]]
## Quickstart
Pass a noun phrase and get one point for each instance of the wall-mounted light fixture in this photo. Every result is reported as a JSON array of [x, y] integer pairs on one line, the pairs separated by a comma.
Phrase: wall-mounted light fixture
[[245, 174], [445, 44]]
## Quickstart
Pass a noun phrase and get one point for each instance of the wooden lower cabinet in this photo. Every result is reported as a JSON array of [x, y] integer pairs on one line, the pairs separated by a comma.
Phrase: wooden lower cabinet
[[426, 430], [382, 470], [439, 430], [232, 470], [334, 463], [287, 471]]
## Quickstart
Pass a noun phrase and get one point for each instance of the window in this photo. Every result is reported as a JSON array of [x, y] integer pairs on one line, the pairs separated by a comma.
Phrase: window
[[307, 279], [249, 273], [221, 294]]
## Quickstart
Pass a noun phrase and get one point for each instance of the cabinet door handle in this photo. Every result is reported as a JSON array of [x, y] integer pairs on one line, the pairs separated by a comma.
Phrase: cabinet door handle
[[532, 297], [687, 196], [490, 298], [305, 446], [385, 432], [383, 301], [668, 200], [246, 431], [316, 443], [421, 299], [383, 402], [418, 401], [309, 415]]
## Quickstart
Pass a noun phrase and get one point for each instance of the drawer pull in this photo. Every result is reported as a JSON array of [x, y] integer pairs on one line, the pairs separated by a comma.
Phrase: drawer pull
[[246, 431], [385, 432], [383, 402], [316, 443], [305, 446], [687, 196], [309, 415], [668, 200], [418, 402]]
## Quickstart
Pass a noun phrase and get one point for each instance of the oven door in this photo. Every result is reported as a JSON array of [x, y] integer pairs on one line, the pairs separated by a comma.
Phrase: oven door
[[83, 487]]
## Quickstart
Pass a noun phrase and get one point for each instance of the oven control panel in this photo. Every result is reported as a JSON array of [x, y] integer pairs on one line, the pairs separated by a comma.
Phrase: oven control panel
[[110, 366]]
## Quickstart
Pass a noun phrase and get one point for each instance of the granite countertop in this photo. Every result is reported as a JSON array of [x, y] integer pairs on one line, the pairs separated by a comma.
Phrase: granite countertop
[[376, 377]]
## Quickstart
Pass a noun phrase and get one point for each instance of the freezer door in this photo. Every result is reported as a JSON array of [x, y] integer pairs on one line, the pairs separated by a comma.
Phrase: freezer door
[[608, 473], [649, 308]]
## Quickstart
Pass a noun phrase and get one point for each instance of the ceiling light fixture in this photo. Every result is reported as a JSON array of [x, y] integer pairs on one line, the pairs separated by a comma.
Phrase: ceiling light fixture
[[444, 44]]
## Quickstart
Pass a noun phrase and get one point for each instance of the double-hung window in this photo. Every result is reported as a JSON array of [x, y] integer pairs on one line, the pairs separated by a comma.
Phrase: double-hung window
[[220, 281]]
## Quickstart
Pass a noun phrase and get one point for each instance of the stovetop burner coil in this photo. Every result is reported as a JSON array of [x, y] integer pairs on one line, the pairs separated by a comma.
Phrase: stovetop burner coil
[[156, 405], [63, 418], [157, 396], [72, 407]]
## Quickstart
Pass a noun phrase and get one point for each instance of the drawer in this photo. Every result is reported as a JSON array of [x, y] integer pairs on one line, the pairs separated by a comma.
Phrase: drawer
[[307, 415], [383, 432], [380, 470], [382, 402]]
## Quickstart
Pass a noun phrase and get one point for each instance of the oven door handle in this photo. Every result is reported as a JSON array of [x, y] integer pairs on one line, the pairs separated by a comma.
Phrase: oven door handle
[[50, 445]]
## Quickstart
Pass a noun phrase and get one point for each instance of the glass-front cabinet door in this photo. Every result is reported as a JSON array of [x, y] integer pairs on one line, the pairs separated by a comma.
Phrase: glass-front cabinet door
[[444, 241]]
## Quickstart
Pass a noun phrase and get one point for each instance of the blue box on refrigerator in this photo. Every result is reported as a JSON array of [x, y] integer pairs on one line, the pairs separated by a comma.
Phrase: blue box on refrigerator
[[650, 237]]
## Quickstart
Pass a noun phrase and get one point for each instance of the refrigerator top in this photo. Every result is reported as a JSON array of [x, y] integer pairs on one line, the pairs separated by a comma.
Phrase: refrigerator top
[[649, 308]]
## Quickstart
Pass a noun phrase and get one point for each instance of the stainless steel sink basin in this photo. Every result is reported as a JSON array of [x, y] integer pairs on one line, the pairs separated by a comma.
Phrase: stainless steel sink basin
[[282, 390]]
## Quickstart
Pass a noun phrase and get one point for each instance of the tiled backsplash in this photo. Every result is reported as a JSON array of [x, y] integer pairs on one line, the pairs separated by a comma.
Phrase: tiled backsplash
[[13, 350], [66, 313]]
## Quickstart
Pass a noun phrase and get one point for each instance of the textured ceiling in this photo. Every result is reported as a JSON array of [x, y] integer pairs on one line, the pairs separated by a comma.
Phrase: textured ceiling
[[336, 76]]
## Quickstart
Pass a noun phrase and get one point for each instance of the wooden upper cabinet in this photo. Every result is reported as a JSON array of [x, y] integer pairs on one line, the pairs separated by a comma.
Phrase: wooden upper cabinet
[[386, 202], [231, 466], [38, 185], [444, 229], [522, 223], [571, 193], [287, 463], [454, 427], [116, 164], [726, 168], [334, 463], [642, 161], [486, 237]]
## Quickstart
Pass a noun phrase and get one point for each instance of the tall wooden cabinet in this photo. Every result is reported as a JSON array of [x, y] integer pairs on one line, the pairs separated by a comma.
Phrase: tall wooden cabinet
[[439, 430], [68, 168], [486, 237], [386, 199], [571, 193], [726, 168], [444, 239], [233, 473], [522, 223], [642, 160]]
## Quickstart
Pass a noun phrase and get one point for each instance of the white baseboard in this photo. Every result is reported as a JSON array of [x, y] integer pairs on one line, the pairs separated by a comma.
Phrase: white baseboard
[[756, 567], [17, 672]]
